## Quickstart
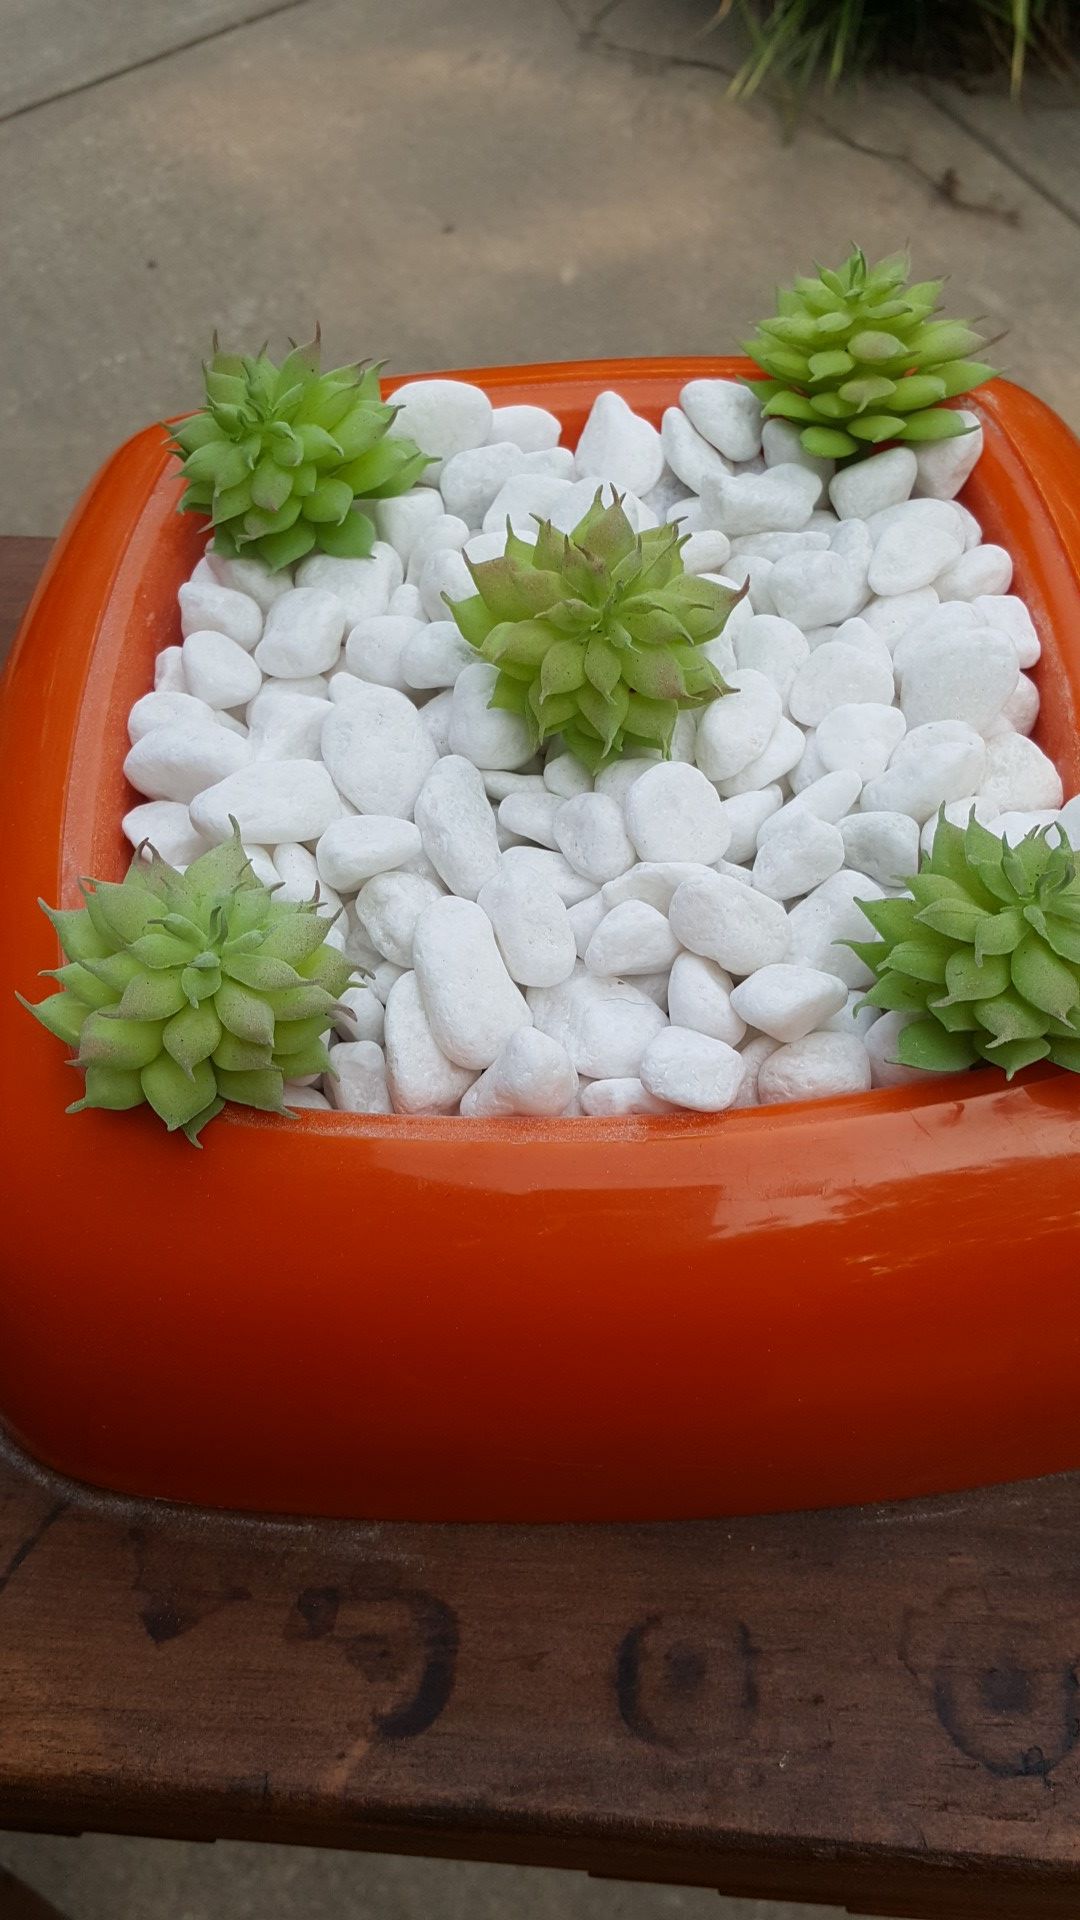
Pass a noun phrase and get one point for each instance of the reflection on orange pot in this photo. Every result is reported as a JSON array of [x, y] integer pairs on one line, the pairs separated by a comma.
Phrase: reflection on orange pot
[[538, 1320]]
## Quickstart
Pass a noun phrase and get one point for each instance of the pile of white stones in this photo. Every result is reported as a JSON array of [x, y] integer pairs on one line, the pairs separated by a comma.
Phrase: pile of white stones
[[669, 934]]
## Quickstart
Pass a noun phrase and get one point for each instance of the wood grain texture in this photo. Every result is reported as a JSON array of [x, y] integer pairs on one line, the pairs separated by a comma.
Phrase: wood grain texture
[[876, 1708]]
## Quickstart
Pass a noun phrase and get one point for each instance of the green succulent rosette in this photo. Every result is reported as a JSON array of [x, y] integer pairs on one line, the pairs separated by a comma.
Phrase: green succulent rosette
[[984, 951], [279, 454], [598, 634], [185, 991], [855, 357]]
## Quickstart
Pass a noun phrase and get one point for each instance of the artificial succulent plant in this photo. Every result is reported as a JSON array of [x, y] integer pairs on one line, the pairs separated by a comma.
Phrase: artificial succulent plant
[[188, 990], [279, 454], [856, 357], [984, 951], [598, 634]]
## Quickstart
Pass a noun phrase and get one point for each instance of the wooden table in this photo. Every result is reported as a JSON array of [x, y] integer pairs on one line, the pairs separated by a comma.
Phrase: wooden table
[[877, 1708]]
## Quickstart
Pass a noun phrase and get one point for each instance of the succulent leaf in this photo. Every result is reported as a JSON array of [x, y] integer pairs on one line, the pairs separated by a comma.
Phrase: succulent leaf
[[983, 951], [596, 633], [875, 368], [279, 455], [185, 991]]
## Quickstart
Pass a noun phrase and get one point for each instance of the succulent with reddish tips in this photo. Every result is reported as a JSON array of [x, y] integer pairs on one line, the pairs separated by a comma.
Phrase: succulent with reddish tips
[[599, 635], [185, 991], [280, 454]]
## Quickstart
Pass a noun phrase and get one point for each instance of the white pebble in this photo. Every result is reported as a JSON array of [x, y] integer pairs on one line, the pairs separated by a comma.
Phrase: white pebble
[[533, 929], [434, 654], [584, 917], [283, 725], [219, 672], [470, 1000], [406, 599], [820, 924], [530, 428], [166, 824], [565, 775], [699, 996], [691, 1069], [884, 845], [162, 709], [1009, 614], [727, 414], [706, 552], [944, 465], [773, 647], [531, 815], [442, 416], [388, 907], [798, 856], [420, 1077], [604, 1025], [531, 1074], [813, 589], [932, 764], [301, 880], [470, 480], [1021, 709], [1018, 775], [951, 617], [753, 1056], [730, 923], [176, 761], [736, 729], [673, 812], [375, 648], [853, 1017], [965, 676], [781, 444], [633, 938], [553, 868], [1013, 826], [303, 633], [909, 557], [272, 800], [981, 570], [457, 826], [385, 976], [781, 756], [837, 675], [830, 797], [590, 835], [653, 881], [359, 1015], [486, 735], [401, 520], [688, 453], [444, 581], [221, 610], [816, 1068], [746, 815], [252, 577], [358, 846], [884, 480], [617, 444], [788, 1001], [169, 671], [607, 1099], [357, 1082], [781, 498], [377, 750], [860, 737], [882, 1042], [890, 618], [300, 1098], [362, 586], [446, 534]]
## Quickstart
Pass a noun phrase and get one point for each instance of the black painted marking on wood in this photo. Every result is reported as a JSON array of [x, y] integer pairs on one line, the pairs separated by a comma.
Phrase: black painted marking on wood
[[438, 1627], [22, 1553]]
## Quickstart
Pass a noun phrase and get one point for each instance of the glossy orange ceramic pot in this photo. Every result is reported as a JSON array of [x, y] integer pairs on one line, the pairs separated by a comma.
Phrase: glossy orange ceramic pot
[[793, 1306]]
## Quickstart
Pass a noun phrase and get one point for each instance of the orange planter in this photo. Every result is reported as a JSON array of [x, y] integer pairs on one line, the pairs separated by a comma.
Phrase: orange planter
[[848, 1300]]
